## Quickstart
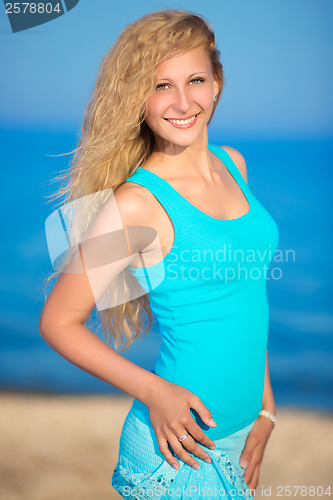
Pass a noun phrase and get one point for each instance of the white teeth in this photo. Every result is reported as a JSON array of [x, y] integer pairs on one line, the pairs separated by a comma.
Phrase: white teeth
[[183, 122]]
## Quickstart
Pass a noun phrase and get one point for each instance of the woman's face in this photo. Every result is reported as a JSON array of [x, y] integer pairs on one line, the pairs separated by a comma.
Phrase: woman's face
[[182, 103]]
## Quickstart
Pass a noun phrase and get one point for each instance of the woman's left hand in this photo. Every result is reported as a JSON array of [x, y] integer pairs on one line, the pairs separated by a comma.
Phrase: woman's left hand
[[253, 452]]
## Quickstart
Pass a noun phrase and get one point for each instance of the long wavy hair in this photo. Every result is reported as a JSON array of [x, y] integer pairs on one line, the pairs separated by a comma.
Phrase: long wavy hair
[[115, 139]]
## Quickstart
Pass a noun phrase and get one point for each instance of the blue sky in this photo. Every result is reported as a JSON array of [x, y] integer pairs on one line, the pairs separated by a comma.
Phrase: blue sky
[[277, 57]]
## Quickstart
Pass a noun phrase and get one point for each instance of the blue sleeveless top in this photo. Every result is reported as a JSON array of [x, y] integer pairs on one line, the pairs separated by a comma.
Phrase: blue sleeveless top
[[211, 303]]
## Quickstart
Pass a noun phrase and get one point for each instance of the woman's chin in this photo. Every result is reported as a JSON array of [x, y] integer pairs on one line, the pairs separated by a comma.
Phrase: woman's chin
[[179, 140]]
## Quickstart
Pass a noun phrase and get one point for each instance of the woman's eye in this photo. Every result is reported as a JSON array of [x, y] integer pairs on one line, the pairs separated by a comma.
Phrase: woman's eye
[[161, 86], [196, 80]]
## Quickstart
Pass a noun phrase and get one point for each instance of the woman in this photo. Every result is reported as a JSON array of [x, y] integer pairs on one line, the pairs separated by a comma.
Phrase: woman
[[205, 412]]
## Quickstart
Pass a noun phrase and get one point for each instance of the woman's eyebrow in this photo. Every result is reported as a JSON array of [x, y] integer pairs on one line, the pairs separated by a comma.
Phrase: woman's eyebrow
[[190, 76]]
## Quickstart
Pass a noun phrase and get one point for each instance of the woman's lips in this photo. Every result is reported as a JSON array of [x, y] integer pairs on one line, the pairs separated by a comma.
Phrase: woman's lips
[[183, 123]]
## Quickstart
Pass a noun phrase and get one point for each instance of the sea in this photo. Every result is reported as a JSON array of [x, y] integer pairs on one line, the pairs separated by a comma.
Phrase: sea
[[291, 178]]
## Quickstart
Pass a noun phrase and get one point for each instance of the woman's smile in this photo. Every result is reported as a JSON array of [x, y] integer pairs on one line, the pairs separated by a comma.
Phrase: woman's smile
[[183, 122]]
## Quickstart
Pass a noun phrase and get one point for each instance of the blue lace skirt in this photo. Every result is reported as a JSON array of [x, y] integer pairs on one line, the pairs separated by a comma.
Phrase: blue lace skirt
[[143, 472]]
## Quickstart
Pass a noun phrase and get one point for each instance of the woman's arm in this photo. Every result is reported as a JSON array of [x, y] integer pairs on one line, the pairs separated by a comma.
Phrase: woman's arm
[[253, 453], [268, 402], [61, 325], [75, 294]]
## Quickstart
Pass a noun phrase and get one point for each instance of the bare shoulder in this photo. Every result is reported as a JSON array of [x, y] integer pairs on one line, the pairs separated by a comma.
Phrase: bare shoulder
[[238, 160], [133, 204]]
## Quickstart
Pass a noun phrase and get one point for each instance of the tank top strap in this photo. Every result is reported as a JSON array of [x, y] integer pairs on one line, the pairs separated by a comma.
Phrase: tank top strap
[[233, 169], [168, 197]]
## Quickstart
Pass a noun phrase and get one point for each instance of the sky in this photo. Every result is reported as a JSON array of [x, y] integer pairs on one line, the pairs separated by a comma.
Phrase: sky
[[277, 59]]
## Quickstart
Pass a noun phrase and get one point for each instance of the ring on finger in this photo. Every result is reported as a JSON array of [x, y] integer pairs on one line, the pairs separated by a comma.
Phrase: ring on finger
[[183, 437]]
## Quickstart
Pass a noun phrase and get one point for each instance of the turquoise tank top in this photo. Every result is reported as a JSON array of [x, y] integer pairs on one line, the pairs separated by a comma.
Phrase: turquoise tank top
[[211, 305]]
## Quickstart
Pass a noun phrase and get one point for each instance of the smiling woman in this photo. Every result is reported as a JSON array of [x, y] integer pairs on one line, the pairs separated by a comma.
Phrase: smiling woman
[[183, 98], [196, 421]]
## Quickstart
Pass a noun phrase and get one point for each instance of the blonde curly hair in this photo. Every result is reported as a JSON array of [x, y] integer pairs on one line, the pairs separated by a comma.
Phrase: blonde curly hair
[[115, 139]]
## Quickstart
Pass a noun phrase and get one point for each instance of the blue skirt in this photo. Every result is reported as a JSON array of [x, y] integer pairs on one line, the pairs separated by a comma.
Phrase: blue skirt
[[143, 472]]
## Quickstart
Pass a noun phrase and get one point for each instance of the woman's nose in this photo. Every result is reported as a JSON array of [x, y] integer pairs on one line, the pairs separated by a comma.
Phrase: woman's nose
[[182, 100]]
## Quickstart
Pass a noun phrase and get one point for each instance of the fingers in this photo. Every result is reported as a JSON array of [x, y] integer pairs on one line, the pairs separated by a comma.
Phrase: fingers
[[254, 481], [251, 475], [188, 445], [169, 427], [182, 449], [198, 434], [164, 449], [202, 410]]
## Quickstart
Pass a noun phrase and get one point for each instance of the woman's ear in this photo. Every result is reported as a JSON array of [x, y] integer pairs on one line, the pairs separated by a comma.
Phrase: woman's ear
[[216, 86]]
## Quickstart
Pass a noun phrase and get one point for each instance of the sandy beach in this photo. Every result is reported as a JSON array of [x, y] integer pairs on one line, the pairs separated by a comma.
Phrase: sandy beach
[[65, 448]]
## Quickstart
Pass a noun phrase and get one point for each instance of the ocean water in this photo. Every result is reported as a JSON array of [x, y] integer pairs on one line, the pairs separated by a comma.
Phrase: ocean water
[[292, 179]]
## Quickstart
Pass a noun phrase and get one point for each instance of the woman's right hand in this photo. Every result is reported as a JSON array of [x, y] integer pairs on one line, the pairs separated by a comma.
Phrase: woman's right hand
[[169, 411]]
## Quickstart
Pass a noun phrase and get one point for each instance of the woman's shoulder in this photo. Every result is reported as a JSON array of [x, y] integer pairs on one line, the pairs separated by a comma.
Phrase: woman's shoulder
[[238, 160], [133, 203]]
